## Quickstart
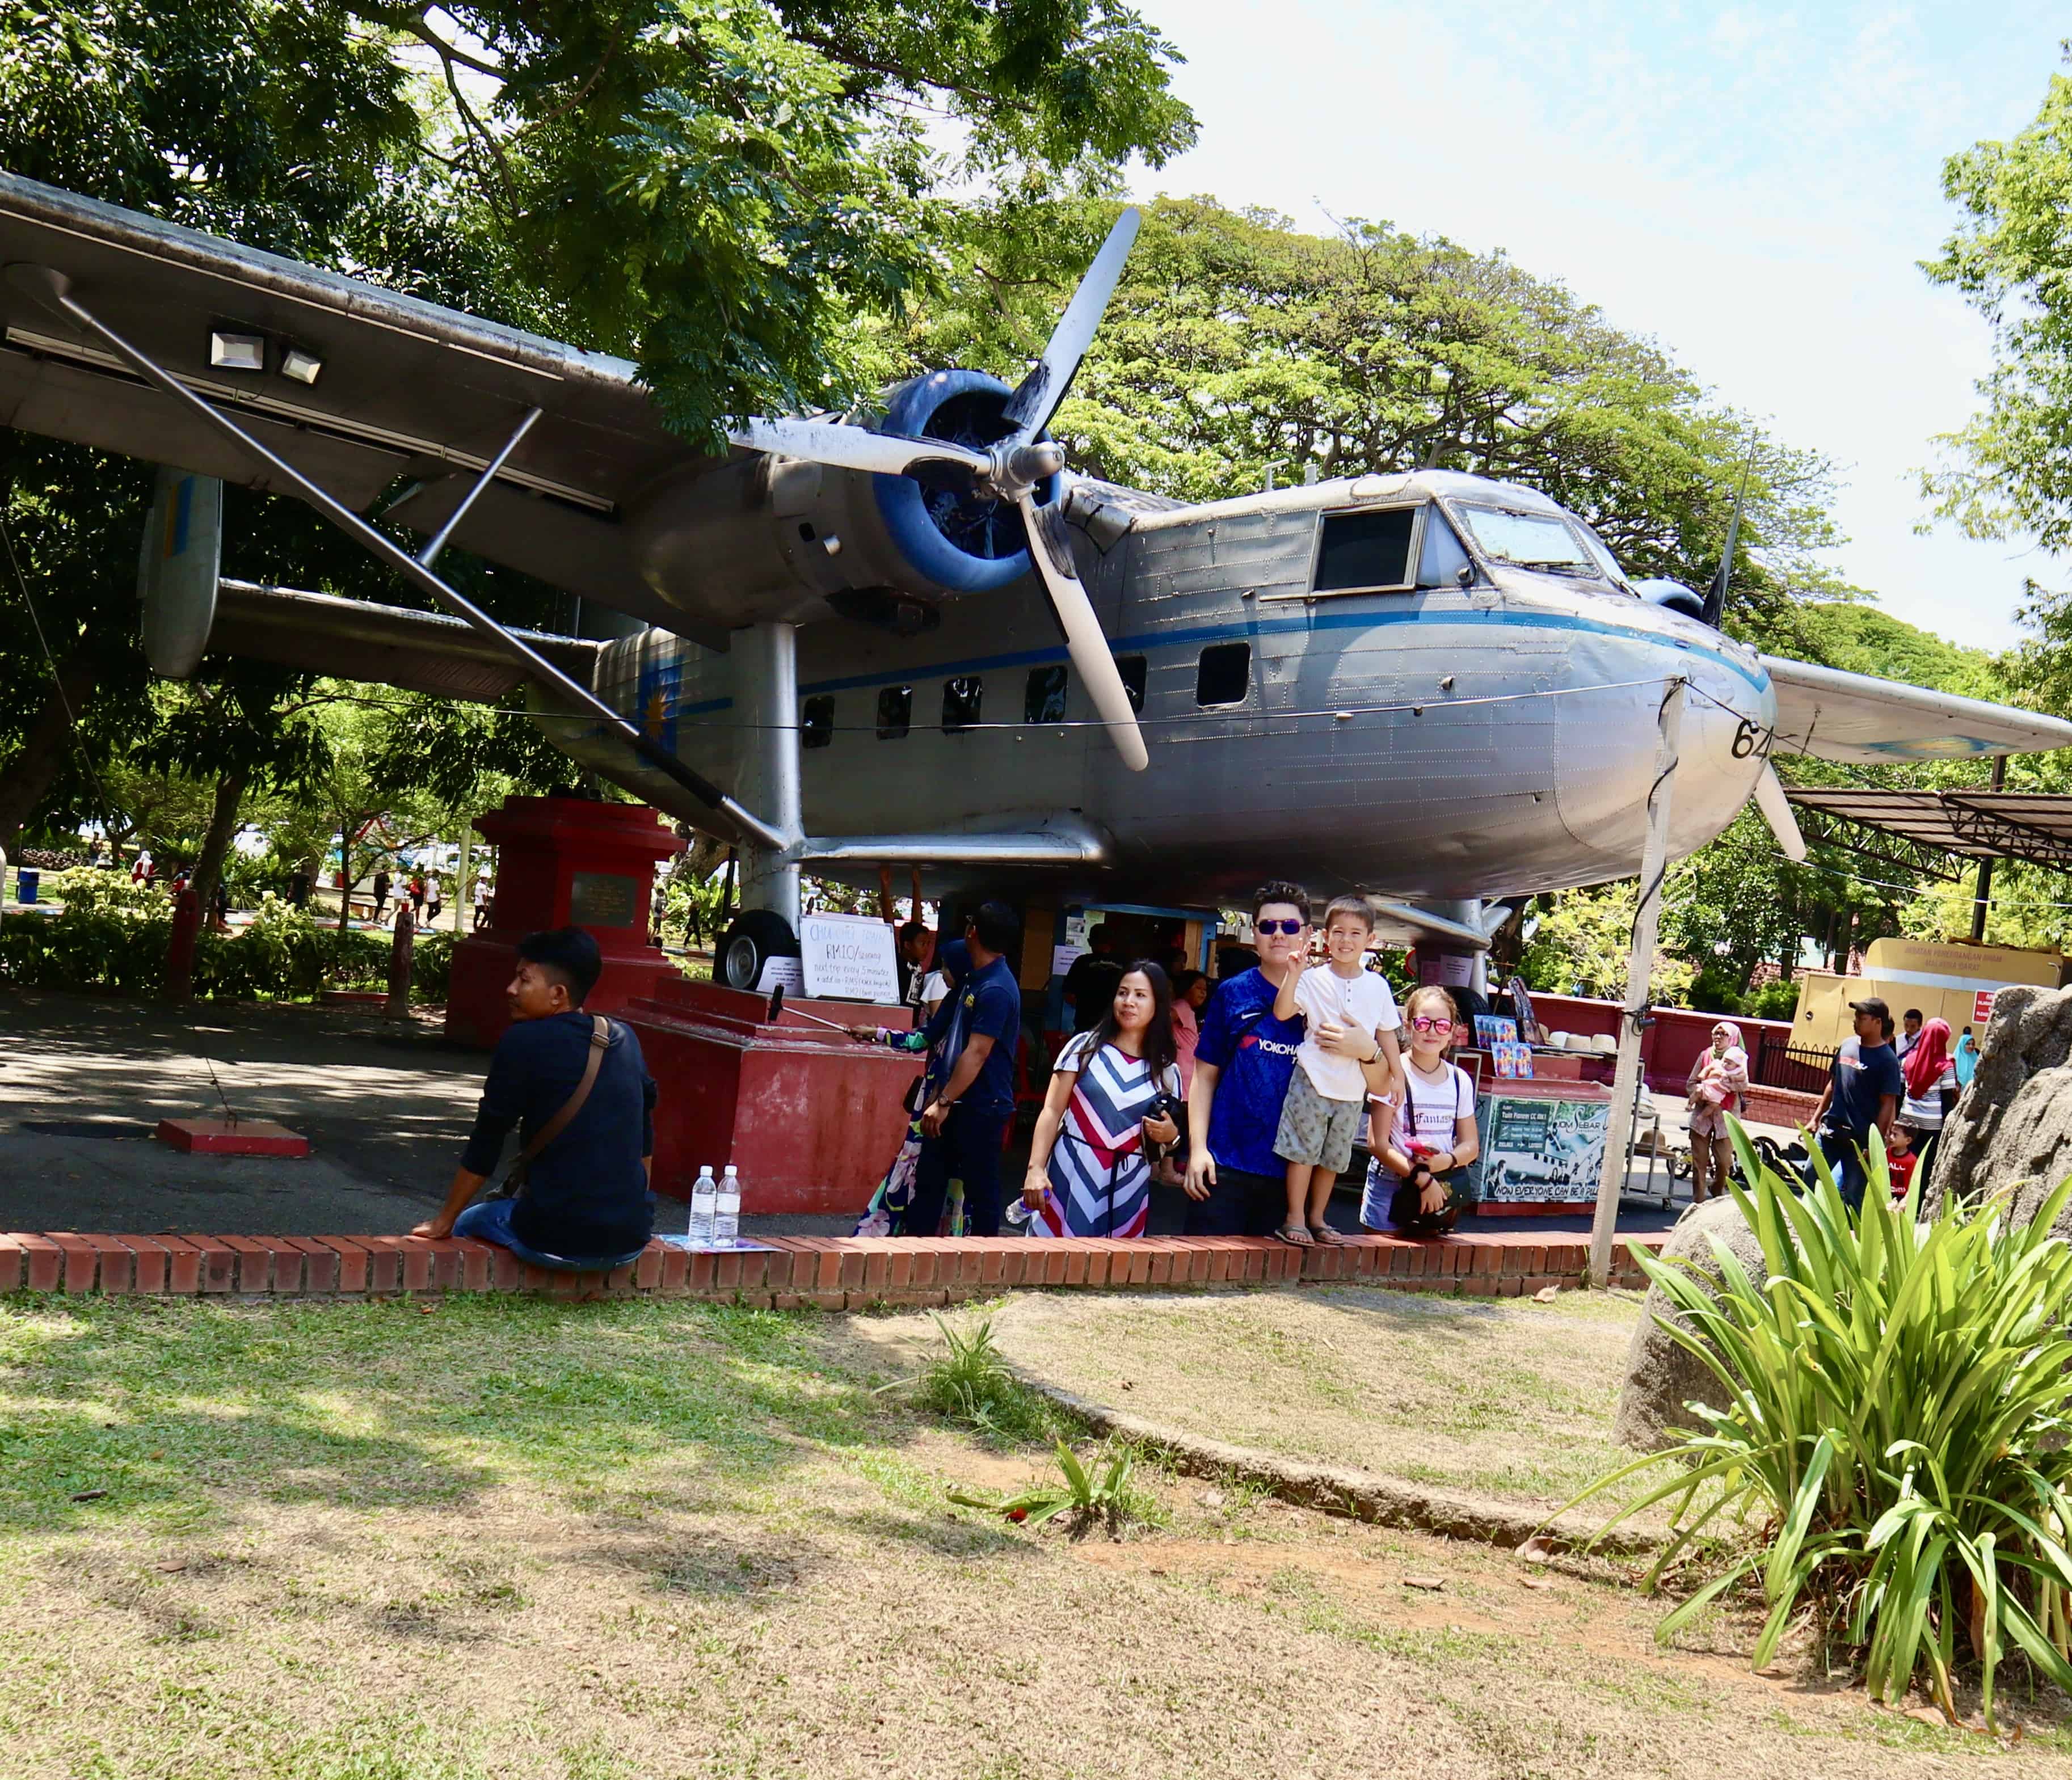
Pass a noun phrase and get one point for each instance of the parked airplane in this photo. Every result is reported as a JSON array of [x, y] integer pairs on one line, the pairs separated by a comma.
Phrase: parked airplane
[[917, 638]]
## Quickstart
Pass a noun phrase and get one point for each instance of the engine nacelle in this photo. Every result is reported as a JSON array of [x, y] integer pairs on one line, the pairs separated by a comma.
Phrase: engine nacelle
[[771, 538]]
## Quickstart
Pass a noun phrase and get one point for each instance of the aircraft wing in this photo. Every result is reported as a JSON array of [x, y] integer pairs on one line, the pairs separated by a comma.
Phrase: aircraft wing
[[1839, 716], [401, 390]]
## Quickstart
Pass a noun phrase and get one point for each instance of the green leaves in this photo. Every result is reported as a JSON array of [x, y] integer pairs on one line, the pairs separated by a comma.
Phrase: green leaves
[[1898, 1409]]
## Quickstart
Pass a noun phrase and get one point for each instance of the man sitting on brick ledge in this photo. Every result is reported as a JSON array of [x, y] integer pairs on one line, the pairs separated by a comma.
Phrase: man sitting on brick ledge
[[581, 1198]]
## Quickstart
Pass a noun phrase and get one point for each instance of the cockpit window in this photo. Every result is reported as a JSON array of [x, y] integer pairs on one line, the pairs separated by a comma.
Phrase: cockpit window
[[1531, 540], [1605, 560]]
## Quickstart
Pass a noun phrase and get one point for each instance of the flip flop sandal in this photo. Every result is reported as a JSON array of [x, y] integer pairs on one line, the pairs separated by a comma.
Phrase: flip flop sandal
[[1325, 1234], [1295, 1236]]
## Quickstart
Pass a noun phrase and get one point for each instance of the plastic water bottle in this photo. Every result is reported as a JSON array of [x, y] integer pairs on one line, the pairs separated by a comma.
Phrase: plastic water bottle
[[702, 1197], [727, 1211]]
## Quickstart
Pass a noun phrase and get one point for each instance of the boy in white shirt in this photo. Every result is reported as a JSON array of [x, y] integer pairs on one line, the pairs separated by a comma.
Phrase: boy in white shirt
[[1327, 1093]]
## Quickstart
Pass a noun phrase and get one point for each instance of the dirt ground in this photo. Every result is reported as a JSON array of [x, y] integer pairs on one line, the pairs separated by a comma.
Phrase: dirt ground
[[362, 1542], [1501, 1397]]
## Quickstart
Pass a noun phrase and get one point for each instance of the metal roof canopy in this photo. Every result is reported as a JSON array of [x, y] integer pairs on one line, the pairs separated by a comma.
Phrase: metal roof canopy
[[2035, 827]]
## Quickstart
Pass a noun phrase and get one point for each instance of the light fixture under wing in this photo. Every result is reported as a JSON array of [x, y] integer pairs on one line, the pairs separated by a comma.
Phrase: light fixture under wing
[[229, 351], [302, 366]]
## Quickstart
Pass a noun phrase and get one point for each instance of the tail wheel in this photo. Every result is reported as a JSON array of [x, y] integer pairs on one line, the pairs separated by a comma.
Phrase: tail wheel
[[755, 937]]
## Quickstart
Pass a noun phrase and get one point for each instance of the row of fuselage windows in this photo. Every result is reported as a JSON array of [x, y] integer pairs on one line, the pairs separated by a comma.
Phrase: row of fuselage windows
[[1221, 676]]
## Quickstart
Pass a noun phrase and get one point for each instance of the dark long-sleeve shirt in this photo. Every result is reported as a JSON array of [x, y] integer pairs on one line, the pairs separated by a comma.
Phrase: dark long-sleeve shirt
[[586, 1192]]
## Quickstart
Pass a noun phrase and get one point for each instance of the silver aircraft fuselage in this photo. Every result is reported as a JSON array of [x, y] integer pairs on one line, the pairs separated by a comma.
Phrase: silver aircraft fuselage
[[1493, 735]]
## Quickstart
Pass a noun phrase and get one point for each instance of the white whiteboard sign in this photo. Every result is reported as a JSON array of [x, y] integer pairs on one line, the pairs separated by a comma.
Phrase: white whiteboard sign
[[848, 958], [1063, 958], [781, 970]]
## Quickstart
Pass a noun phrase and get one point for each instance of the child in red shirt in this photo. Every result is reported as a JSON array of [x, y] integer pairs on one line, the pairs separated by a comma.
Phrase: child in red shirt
[[1899, 1159]]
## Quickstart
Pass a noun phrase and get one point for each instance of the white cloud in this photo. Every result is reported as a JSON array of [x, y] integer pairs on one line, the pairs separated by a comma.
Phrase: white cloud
[[1752, 187]]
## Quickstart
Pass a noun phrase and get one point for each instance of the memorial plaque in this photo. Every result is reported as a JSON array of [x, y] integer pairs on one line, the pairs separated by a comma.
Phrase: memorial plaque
[[603, 899], [848, 958]]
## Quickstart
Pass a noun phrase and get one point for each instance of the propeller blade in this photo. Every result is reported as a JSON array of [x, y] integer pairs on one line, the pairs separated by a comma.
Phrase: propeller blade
[[1776, 809], [1716, 595], [1084, 637], [857, 448], [1029, 408]]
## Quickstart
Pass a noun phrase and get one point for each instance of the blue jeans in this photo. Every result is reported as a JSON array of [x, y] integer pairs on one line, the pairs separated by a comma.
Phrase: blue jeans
[[1844, 1156], [490, 1221], [968, 1150]]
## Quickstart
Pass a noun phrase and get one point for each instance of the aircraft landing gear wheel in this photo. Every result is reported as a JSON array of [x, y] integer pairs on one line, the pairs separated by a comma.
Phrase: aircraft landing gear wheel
[[756, 936]]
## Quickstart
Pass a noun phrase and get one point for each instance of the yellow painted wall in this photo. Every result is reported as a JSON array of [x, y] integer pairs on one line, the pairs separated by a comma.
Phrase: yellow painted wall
[[1893, 969]]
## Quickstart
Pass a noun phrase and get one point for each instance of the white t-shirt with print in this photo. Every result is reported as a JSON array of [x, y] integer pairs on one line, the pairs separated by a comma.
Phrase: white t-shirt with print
[[1365, 1002], [1434, 1105]]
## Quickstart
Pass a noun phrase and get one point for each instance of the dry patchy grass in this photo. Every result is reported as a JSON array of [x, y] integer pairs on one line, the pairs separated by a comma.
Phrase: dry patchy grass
[[359, 1542], [1501, 1396]]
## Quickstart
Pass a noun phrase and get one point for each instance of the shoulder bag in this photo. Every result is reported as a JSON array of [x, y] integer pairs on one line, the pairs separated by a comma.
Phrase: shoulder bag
[[514, 1183]]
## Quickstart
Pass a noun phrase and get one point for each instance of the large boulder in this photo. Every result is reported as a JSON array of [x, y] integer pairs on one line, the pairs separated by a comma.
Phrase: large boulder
[[1662, 1377], [2012, 1127]]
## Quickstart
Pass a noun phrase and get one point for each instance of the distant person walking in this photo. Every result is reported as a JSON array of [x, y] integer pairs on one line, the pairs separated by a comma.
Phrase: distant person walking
[[417, 900], [962, 1127], [1965, 1059], [381, 892], [1931, 1074], [481, 901], [140, 868], [1713, 1093], [1865, 1088], [1112, 1093], [1089, 988], [434, 899]]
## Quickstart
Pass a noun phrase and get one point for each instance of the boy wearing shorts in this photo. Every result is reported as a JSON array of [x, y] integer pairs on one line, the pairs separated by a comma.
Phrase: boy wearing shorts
[[1320, 1118]]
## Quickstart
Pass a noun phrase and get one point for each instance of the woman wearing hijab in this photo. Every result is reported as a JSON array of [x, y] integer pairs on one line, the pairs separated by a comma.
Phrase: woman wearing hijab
[[1931, 1090], [1965, 1058], [1718, 1080]]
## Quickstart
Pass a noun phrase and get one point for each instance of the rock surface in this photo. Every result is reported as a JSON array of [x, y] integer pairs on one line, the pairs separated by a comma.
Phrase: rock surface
[[1660, 1376], [2012, 1127]]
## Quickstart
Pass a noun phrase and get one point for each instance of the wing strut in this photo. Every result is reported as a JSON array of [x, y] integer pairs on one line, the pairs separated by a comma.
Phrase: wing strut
[[52, 290]]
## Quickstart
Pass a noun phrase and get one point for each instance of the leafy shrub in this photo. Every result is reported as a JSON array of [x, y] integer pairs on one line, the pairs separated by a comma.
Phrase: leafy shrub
[[1091, 1495], [1898, 1413], [112, 935]]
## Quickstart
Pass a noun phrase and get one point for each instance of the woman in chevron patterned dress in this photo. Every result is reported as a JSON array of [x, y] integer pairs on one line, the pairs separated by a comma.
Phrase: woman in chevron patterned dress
[[1090, 1161]]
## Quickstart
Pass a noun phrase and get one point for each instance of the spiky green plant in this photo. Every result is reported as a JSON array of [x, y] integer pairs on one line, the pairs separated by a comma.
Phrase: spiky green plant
[[1896, 1425], [1090, 1493]]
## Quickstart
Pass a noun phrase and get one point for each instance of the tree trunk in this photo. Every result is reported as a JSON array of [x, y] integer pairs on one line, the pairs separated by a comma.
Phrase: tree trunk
[[216, 843], [35, 768]]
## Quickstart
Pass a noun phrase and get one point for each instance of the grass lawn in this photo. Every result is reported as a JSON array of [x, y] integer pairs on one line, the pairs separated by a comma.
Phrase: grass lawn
[[1502, 1397], [498, 1537]]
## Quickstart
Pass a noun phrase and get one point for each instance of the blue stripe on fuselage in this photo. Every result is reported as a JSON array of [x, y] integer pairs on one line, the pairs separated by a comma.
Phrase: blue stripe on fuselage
[[1194, 636]]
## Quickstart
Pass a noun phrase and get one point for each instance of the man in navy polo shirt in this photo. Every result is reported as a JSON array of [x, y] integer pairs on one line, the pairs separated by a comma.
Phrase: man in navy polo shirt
[[1242, 1066], [962, 1127]]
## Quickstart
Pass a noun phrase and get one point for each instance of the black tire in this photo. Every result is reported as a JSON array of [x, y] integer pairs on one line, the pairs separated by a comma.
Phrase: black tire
[[756, 936]]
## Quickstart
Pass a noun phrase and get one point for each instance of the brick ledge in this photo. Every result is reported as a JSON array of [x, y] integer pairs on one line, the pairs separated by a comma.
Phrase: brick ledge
[[827, 1272]]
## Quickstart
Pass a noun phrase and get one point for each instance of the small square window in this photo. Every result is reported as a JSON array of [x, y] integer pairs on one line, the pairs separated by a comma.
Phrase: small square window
[[816, 729], [1045, 702], [1224, 675], [1362, 552], [1133, 669], [960, 702], [896, 712]]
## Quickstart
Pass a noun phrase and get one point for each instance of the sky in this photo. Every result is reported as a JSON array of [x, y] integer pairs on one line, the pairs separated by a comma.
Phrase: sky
[[1751, 186]]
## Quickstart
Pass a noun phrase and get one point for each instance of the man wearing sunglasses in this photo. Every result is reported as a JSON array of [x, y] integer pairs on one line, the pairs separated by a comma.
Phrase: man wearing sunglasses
[[1243, 1063]]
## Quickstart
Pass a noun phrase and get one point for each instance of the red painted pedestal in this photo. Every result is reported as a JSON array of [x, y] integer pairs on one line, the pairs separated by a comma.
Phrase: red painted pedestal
[[564, 861], [220, 1137], [811, 1118]]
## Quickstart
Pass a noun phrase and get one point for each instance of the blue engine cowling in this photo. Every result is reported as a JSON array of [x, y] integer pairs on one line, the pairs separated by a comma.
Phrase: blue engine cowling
[[758, 538], [961, 543]]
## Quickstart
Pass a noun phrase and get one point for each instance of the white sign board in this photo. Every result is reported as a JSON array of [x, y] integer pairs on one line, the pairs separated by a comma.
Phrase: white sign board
[[848, 958], [1063, 958], [781, 970]]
